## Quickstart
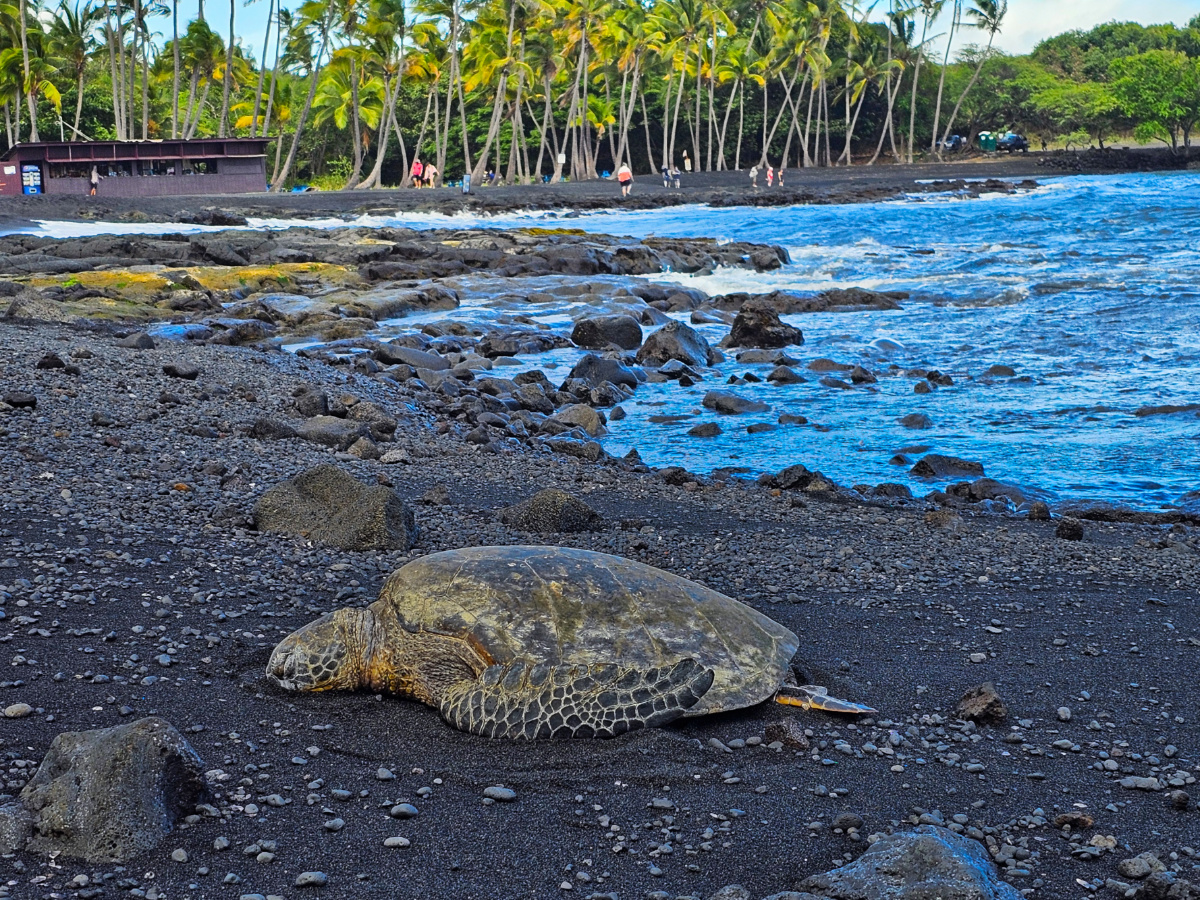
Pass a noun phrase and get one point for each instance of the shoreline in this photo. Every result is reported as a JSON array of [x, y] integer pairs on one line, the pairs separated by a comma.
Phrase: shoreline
[[901, 610], [246, 288], [859, 184]]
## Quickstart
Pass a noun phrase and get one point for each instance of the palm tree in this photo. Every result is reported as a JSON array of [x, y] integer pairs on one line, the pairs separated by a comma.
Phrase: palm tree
[[227, 81], [386, 29], [930, 10], [315, 16], [989, 16], [955, 21], [23, 19], [201, 50], [72, 40]]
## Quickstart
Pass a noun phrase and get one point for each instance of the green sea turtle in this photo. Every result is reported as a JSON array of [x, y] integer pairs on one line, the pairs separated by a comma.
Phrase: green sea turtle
[[532, 642]]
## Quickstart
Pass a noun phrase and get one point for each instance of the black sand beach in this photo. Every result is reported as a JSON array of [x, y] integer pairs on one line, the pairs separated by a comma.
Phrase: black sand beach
[[858, 184], [134, 583]]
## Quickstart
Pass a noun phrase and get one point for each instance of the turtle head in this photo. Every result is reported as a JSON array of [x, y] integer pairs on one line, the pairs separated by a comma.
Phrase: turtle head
[[328, 654]]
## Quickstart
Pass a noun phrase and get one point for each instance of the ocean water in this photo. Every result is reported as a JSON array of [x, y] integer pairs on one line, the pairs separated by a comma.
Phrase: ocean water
[[1089, 288]]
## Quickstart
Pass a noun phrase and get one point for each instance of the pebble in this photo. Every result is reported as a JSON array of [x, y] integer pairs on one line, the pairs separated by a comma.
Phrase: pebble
[[312, 879], [500, 794], [179, 855], [1064, 714], [397, 841], [17, 711], [403, 811]]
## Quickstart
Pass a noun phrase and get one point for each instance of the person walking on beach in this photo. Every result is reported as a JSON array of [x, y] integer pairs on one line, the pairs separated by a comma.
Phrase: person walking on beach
[[770, 177], [781, 176], [687, 164], [666, 177], [675, 176], [754, 177], [625, 179], [431, 175], [417, 170], [93, 182]]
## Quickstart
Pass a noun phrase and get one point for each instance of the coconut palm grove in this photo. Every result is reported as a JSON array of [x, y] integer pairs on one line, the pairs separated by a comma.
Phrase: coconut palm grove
[[350, 92]]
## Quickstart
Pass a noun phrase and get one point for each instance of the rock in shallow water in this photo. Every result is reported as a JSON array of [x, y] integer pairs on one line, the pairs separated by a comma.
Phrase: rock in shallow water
[[937, 466], [758, 325], [731, 404], [930, 862], [329, 506], [602, 332], [676, 340]]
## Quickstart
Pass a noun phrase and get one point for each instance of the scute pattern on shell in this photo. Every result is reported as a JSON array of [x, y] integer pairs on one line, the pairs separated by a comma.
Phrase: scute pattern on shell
[[558, 605], [546, 701]]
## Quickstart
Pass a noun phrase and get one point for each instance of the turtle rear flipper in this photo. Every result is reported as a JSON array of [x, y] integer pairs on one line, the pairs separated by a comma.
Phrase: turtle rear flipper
[[542, 701], [812, 696]]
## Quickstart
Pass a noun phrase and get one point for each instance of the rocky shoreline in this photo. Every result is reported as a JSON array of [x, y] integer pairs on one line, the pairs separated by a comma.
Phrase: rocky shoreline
[[135, 583], [383, 302]]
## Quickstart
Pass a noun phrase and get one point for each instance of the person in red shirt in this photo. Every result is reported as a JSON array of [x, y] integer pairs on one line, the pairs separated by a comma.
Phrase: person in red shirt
[[417, 170]]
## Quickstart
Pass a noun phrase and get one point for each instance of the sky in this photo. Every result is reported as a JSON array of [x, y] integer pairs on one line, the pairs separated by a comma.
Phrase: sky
[[1028, 22]]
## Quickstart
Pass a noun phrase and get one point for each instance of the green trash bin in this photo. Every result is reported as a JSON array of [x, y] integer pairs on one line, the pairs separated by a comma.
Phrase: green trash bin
[[987, 142]]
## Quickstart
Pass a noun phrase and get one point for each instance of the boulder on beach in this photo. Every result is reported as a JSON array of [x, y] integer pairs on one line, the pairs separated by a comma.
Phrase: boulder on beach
[[935, 465], [330, 431], [329, 506], [929, 862], [110, 794], [731, 404], [602, 332], [676, 340], [758, 325], [981, 703], [552, 512]]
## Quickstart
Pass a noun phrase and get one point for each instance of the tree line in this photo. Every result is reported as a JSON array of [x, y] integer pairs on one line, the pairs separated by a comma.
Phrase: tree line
[[349, 92]]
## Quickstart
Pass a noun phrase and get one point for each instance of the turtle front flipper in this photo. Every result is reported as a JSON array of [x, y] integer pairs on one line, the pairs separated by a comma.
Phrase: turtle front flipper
[[812, 696], [544, 701]]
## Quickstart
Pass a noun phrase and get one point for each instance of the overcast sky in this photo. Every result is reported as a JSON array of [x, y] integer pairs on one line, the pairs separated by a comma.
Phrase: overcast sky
[[1028, 22]]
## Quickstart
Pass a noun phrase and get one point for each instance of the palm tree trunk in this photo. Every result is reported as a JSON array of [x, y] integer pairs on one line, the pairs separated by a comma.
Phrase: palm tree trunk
[[175, 69], [278, 152], [892, 94], [355, 127], [407, 180], [262, 69], [646, 128], [227, 81], [266, 122], [120, 51], [28, 82], [912, 110], [78, 102], [724, 131], [118, 115], [281, 177], [678, 104], [191, 102], [381, 136], [666, 122], [699, 96], [737, 159], [145, 86], [200, 107], [937, 110]]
